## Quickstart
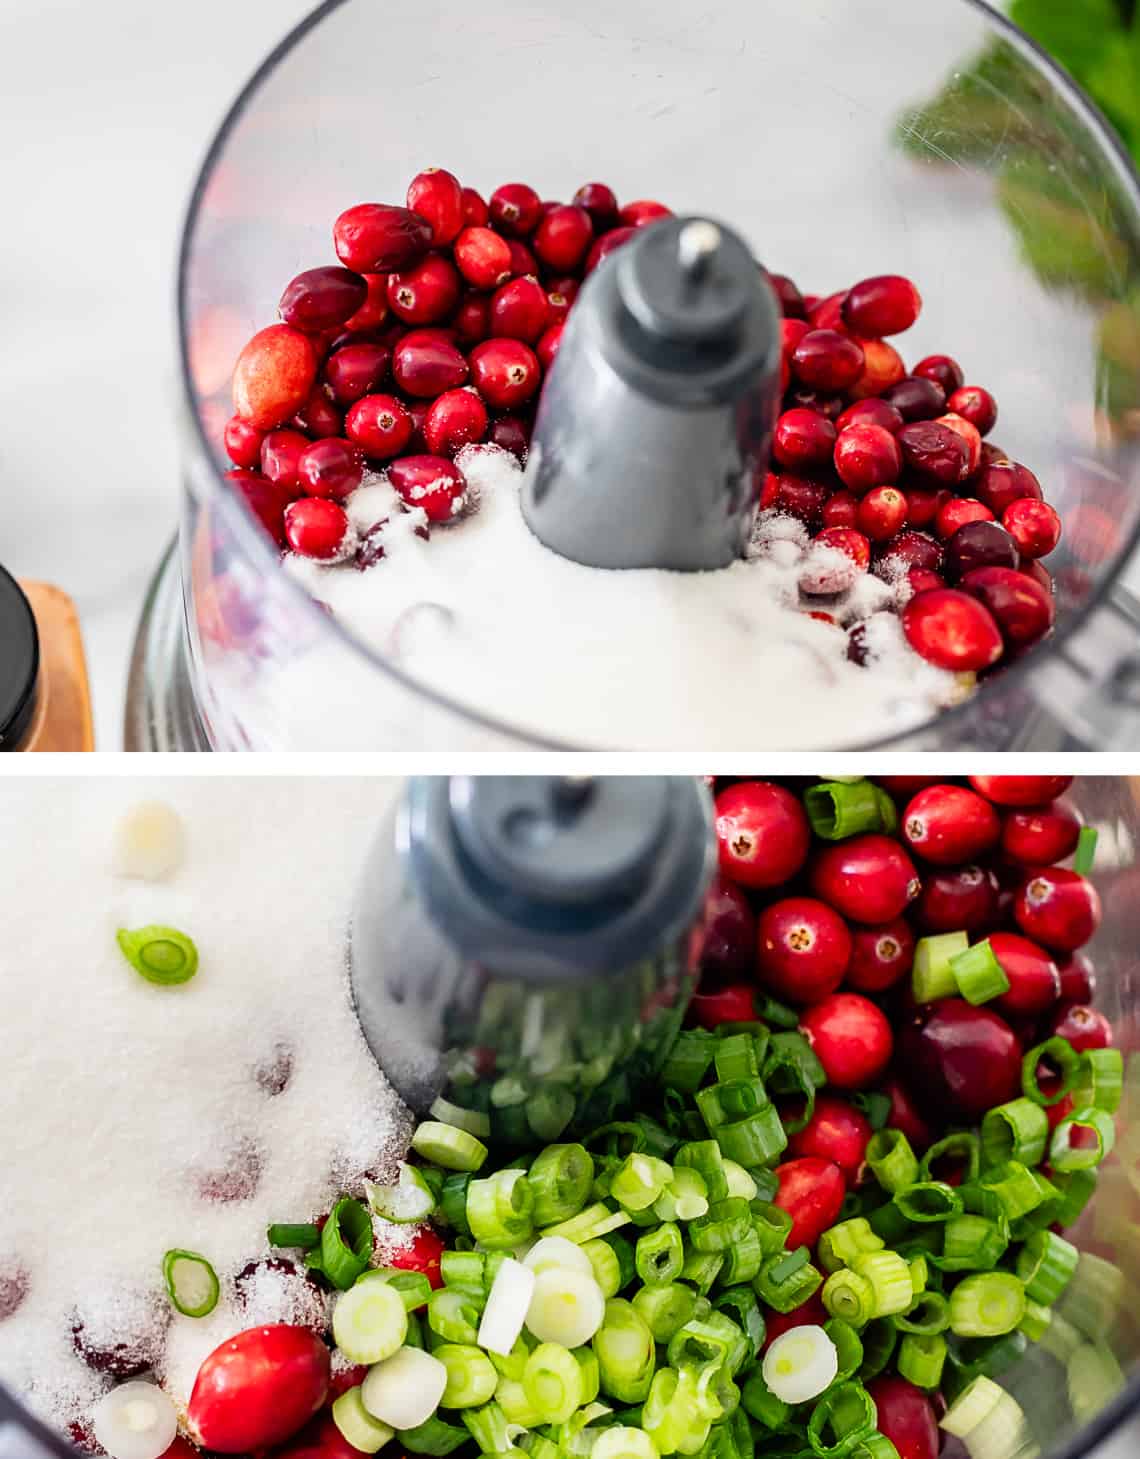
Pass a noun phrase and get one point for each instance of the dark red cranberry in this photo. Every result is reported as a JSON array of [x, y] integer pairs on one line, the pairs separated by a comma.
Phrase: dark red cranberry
[[280, 456], [1078, 978], [802, 949], [319, 417], [882, 513], [803, 439], [548, 346], [728, 947], [911, 549], [515, 208], [455, 419], [436, 196], [791, 300], [836, 1132], [811, 1190], [642, 211], [1041, 835], [827, 360], [243, 443], [356, 370], [957, 898], [1004, 482], [322, 298], [373, 312], [963, 1059], [934, 450], [506, 372], [904, 1114], [563, 237], [825, 402], [1084, 1027], [380, 425], [512, 434], [867, 455], [851, 1038], [610, 242], [523, 262], [1033, 525], [417, 410], [272, 1074], [266, 499], [973, 441], [1034, 982], [916, 399], [958, 512], [841, 509], [427, 292], [519, 310], [976, 405], [796, 496], [476, 214], [869, 879], [1022, 609], [836, 575], [880, 956], [483, 258], [871, 412], [923, 504], [14, 1286], [331, 468], [374, 238], [992, 454], [732, 1003], [948, 824], [318, 528], [600, 201], [952, 630], [120, 1359], [944, 370], [979, 544], [425, 363], [472, 321], [1021, 789], [1057, 907], [762, 833], [886, 304], [905, 1415], [432, 483]]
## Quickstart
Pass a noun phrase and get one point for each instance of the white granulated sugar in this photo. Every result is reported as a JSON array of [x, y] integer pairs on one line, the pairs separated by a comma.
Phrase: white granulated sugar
[[137, 1118], [486, 615]]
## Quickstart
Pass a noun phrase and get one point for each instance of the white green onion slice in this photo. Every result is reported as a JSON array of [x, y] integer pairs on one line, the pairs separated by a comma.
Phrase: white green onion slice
[[404, 1390], [800, 1364], [975, 1403], [135, 1421], [191, 1283], [507, 1305], [566, 1307], [555, 1251], [620, 1441], [356, 1425], [410, 1199], [474, 1121], [369, 1322]]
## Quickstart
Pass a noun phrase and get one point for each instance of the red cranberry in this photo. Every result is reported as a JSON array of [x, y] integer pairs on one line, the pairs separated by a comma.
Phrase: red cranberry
[[373, 312], [14, 1287], [243, 442], [871, 412], [841, 509], [916, 399], [922, 580], [811, 1190], [979, 544], [952, 629], [1021, 789], [515, 208], [318, 416], [944, 370], [867, 455], [1022, 608], [563, 237], [1078, 978], [734, 1003], [425, 293], [318, 528], [1033, 525], [483, 258], [457, 418], [882, 367], [802, 949], [869, 879], [963, 1059], [273, 376], [476, 213], [1040, 835], [558, 306], [374, 238], [992, 454], [911, 549], [1004, 482], [426, 363], [436, 196], [887, 304], [472, 321], [548, 346], [791, 332], [430, 482], [505, 372], [880, 956], [840, 574], [851, 1039], [599, 201], [973, 441], [961, 897], [1034, 983], [959, 511], [904, 1114], [828, 313], [796, 496], [923, 503], [519, 310], [836, 1132], [1084, 1027], [638, 214], [882, 513], [380, 425], [976, 405], [281, 453], [934, 450], [791, 300], [729, 931], [905, 1416], [818, 400], [272, 1074], [512, 434], [948, 824], [827, 360], [803, 439], [762, 833], [322, 298], [356, 370], [266, 499], [523, 262], [1057, 907], [330, 468]]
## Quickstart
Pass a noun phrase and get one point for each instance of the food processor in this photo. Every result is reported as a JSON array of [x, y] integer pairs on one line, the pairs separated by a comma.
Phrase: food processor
[[837, 141]]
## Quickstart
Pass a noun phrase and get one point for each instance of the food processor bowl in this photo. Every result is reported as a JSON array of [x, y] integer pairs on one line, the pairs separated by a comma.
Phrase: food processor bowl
[[934, 141]]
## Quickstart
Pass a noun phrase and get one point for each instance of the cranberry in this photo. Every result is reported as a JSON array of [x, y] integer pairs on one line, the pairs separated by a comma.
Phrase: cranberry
[[1041, 835], [958, 512], [436, 196], [457, 418], [374, 238], [548, 346], [563, 237], [272, 1074], [818, 400], [734, 1003], [812, 1191], [1021, 789], [828, 313], [973, 441], [318, 416], [331, 468], [1004, 482], [1084, 1027], [1057, 907], [523, 262], [322, 298], [266, 499], [356, 370], [317, 528], [837, 575], [836, 1132], [558, 306], [515, 208], [882, 513], [281, 453], [961, 897], [803, 439], [880, 956], [599, 201], [273, 376], [1078, 978], [841, 509], [867, 455], [505, 371], [923, 503], [425, 293], [637, 214], [887, 304], [729, 936], [243, 442], [1023, 610], [952, 629], [762, 833], [472, 321], [1034, 526], [916, 399], [944, 370], [519, 310], [476, 213], [904, 1114], [827, 360], [976, 405], [483, 258], [791, 332], [871, 412], [373, 312], [964, 1059], [125, 1356], [911, 549], [1034, 983], [430, 482], [791, 300], [869, 879], [905, 1416], [380, 425], [979, 544], [851, 1039], [14, 1287], [796, 496], [934, 450], [882, 367], [802, 949], [948, 824], [426, 363], [512, 434]]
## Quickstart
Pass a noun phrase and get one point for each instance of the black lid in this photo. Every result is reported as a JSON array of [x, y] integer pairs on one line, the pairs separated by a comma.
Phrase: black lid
[[19, 663]]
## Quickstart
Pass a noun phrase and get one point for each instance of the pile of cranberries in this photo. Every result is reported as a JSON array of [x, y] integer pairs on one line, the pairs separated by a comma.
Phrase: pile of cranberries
[[433, 333]]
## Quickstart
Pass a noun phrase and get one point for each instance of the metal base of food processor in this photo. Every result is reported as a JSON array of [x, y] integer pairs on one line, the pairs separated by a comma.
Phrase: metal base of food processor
[[161, 711]]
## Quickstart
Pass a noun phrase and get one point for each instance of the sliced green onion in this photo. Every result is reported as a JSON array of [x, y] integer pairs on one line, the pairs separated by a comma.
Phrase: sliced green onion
[[1018, 1130], [621, 1441], [413, 1288], [928, 1200], [927, 1315], [849, 1296], [971, 1243], [771, 1224], [448, 1146], [1015, 1187], [1100, 1080], [163, 955], [689, 1060], [761, 1403], [671, 1416], [842, 1243], [560, 1179], [191, 1283], [623, 1345], [892, 1161], [566, 1307], [596, 1220], [605, 1264], [846, 1411], [740, 1305], [792, 1066], [848, 1346], [787, 1280], [873, 1446], [740, 1183], [553, 1382], [978, 973], [1093, 1299], [879, 1338], [623, 1249], [410, 1199], [1076, 1188], [711, 1338], [471, 1377], [921, 1357], [434, 1437], [1046, 1264], [665, 1309], [454, 1314], [1094, 1378], [556, 1252], [303, 1236], [889, 1222], [1065, 1156], [735, 1057], [889, 1276], [475, 1121], [356, 1425], [705, 1158], [960, 1145], [500, 1210], [510, 1365], [800, 1364], [661, 1255], [517, 1408], [639, 1181], [973, 1405], [932, 976], [369, 1324], [919, 1269], [723, 1224], [1057, 1051], [777, 1013], [986, 1305], [1086, 850], [755, 1140], [743, 1260], [702, 1269], [1035, 1323], [549, 1110], [464, 1269], [346, 1244], [488, 1426], [838, 809], [453, 1201]]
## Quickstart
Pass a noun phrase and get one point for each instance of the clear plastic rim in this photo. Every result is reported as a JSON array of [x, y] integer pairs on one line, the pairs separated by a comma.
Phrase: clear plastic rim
[[259, 550]]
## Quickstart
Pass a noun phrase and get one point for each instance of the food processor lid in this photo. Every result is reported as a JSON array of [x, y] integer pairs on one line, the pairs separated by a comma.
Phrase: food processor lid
[[543, 876], [19, 663]]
